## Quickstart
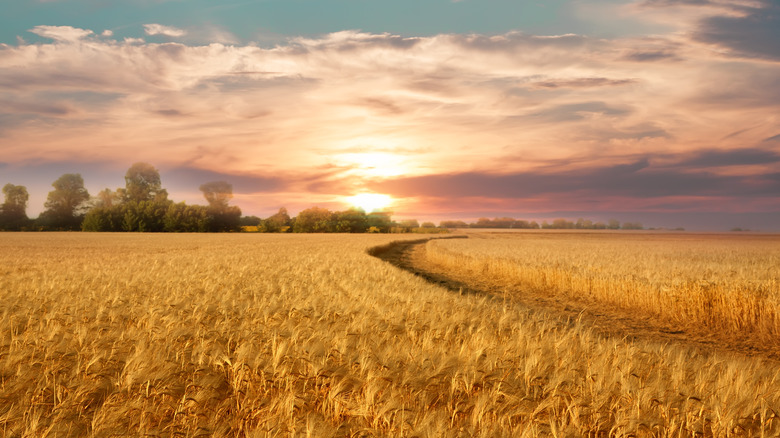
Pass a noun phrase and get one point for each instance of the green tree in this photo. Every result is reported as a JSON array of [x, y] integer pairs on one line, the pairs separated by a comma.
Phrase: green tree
[[250, 221], [353, 220], [183, 218], [278, 221], [104, 218], [453, 224], [142, 183], [13, 213], [144, 216], [632, 226], [228, 219], [108, 198], [408, 224], [218, 194], [66, 204], [380, 220], [313, 220], [224, 217]]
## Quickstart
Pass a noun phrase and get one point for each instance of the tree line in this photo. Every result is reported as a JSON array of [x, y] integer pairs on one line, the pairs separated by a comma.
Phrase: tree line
[[143, 205], [322, 220], [557, 224]]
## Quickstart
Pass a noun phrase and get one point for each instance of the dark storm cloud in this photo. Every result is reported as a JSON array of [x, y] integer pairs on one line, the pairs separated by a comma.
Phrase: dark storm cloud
[[637, 180], [755, 35]]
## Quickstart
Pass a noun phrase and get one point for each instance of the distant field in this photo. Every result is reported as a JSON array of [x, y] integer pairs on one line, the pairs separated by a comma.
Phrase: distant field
[[307, 335]]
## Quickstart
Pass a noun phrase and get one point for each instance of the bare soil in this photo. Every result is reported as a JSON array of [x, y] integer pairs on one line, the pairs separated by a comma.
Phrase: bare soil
[[603, 318]]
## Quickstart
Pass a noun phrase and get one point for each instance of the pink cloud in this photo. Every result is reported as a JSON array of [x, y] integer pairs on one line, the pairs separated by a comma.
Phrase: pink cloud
[[159, 29], [61, 33], [446, 104]]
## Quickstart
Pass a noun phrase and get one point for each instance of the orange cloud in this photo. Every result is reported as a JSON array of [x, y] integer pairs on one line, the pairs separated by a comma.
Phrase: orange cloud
[[376, 109]]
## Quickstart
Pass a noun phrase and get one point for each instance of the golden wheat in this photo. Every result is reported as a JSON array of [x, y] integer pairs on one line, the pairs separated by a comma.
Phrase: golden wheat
[[724, 282], [307, 335]]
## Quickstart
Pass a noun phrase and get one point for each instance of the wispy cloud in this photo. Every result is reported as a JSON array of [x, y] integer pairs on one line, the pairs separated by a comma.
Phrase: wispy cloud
[[61, 33], [159, 29]]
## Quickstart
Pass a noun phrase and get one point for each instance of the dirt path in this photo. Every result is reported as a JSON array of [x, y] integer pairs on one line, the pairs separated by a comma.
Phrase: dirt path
[[605, 319]]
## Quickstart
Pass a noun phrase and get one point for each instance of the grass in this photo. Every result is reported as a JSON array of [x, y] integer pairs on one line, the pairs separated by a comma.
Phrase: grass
[[306, 335]]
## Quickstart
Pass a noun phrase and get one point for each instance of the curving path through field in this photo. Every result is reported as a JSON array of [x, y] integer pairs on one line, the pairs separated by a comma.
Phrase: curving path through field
[[605, 319]]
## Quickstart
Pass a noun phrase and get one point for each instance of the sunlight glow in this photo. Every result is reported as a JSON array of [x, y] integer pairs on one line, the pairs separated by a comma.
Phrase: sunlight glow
[[370, 201], [375, 164]]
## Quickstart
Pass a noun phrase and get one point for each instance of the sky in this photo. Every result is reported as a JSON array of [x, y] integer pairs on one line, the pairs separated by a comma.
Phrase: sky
[[665, 112]]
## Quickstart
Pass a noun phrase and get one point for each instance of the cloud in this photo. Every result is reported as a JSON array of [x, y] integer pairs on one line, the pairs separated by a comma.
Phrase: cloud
[[754, 34], [184, 178], [636, 180], [578, 111], [741, 28], [650, 56], [488, 118], [159, 29], [736, 157], [61, 33], [583, 83]]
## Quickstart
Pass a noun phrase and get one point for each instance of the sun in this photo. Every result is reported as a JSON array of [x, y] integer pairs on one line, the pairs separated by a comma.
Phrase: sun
[[370, 201]]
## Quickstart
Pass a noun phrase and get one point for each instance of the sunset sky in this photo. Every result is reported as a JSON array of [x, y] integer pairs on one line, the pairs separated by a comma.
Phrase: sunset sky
[[660, 111]]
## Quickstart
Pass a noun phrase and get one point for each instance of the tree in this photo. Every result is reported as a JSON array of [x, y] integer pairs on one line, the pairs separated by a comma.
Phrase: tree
[[380, 220], [353, 220], [562, 224], [225, 217], [428, 225], [108, 198], [250, 221], [142, 183], [482, 222], [228, 219], [313, 220], [278, 221], [217, 194], [13, 214], [183, 218], [408, 224], [144, 216], [101, 218], [453, 224], [66, 204], [613, 224]]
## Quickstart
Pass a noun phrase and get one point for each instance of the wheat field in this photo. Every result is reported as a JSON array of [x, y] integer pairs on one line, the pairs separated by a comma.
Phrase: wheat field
[[261, 335], [728, 283]]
